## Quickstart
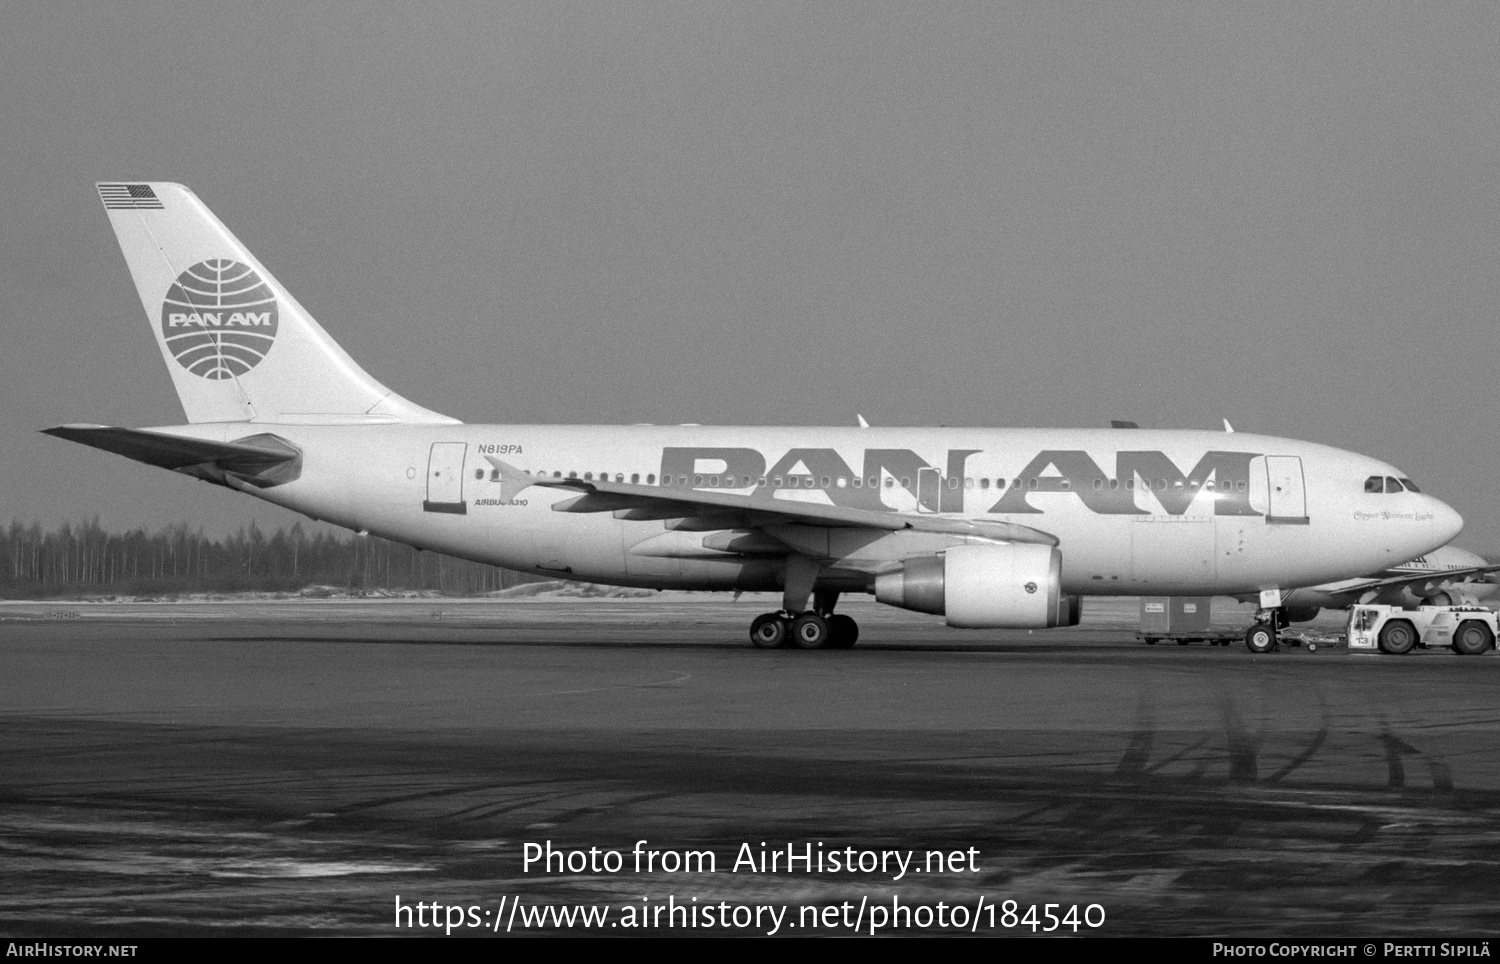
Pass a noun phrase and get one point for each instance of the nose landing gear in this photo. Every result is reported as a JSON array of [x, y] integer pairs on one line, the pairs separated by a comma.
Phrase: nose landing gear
[[1265, 635]]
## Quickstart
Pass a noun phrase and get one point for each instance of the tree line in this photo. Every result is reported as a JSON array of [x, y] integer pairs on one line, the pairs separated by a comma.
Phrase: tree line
[[82, 559]]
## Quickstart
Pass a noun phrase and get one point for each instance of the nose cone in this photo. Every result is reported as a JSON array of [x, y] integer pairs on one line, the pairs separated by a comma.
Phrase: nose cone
[[1446, 522]]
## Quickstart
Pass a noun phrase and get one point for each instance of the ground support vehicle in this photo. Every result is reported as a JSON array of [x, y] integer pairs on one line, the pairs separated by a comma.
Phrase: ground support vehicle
[[1311, 640], [1212, 637], [1467, 630], [1180, 619]]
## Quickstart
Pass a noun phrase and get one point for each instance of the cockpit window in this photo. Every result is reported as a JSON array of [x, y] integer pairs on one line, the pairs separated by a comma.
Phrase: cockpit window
[[1386, 483]]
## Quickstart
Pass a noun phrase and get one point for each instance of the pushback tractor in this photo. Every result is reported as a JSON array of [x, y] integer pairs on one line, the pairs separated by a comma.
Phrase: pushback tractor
[[1467, 630]]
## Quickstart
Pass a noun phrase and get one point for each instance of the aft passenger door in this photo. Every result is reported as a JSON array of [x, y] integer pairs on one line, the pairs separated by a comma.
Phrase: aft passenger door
[[445, 478]]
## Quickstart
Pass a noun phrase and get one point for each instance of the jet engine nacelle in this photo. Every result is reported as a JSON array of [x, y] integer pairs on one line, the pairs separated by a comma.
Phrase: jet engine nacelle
[[1452, 596], [1012, 586]]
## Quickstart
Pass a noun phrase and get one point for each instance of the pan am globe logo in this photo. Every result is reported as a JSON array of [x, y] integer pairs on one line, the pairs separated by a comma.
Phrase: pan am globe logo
[[219, 319]]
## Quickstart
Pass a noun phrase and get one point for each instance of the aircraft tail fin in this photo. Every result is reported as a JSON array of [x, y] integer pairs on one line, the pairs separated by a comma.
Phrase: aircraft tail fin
[[238, 345]]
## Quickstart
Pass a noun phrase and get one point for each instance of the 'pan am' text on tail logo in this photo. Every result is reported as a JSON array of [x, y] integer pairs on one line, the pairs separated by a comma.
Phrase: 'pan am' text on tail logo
[[219, 319]]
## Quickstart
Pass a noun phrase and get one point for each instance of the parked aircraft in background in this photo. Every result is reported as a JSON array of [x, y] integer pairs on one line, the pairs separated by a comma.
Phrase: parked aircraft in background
[[1448, 576], [986, 527]]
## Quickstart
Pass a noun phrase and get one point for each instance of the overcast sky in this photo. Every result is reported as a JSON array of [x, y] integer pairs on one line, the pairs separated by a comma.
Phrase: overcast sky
[[758, 213]]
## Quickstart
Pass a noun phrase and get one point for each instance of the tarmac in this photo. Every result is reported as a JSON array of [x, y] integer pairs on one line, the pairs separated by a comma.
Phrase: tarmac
[[312, 767]]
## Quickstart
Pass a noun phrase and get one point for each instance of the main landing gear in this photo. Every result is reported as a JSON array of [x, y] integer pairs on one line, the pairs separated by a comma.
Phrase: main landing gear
[[807, 630], [800, 625]]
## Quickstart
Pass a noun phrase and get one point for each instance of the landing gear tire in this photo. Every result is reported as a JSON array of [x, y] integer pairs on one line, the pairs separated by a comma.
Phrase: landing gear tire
[[769, 631], [843, 632], [1397, 638], [1260, 638], [1472, 638], [810, 631]]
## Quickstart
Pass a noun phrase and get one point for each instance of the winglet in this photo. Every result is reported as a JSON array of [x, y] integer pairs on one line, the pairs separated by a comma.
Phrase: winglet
[[1227, 426], [862, 422]]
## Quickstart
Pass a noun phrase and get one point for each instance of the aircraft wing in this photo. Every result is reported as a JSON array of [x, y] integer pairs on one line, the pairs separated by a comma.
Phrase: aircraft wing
[[261, 460], [1427, 581], [658, 502]]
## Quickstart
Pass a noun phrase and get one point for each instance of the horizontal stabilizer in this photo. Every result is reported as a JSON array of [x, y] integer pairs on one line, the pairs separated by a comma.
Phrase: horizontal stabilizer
[[263, 460]]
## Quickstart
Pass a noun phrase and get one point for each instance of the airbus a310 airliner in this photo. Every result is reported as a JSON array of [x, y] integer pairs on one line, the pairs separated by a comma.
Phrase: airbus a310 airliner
[[985, 527]]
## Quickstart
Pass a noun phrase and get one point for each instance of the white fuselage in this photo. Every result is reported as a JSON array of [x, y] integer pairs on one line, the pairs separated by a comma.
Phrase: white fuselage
[[1224, 513]]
